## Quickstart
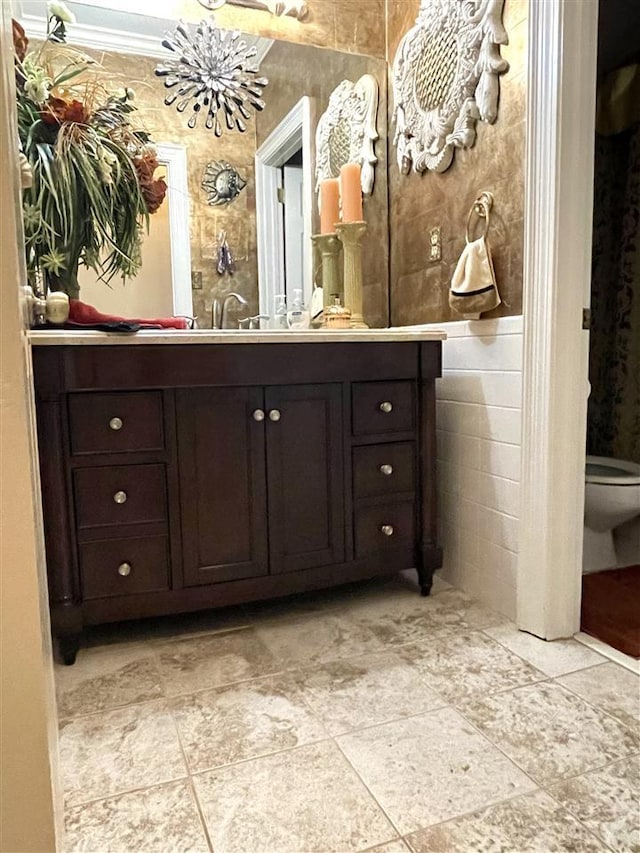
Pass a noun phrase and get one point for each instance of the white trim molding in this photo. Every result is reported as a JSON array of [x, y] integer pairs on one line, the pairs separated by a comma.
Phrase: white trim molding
[[557, 272], [175, 158], [293, 133]]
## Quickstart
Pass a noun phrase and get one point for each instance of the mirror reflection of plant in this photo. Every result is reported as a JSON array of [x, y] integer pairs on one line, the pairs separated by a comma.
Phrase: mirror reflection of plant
[[93, 186]]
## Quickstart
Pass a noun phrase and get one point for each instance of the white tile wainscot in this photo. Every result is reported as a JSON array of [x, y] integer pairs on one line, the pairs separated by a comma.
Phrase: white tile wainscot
[[479, 424]]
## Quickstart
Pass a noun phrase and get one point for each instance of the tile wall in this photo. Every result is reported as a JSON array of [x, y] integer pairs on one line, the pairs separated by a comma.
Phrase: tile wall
[[479, 423]]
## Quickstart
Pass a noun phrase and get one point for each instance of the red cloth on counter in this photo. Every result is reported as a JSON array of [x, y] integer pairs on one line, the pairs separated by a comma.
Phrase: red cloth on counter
[[80, 312]]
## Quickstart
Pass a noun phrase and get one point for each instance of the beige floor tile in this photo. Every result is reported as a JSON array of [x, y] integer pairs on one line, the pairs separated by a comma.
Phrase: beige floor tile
[[429, 768], [401, 619], [610, 687], [117, 751], [553, 658], [107, 677], [316, 639], [397, 846], [364, 691], [307, 799], [607, 801], [465, 665], [534, 823], [203, 662], [155, 820], [243, 721], [550, 732]]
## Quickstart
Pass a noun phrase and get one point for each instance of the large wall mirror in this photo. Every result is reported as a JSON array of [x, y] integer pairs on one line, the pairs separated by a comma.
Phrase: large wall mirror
[[269, 222]]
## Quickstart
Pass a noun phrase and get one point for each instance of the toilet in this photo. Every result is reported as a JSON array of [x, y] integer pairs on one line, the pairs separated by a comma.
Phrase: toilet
[[612, 497]]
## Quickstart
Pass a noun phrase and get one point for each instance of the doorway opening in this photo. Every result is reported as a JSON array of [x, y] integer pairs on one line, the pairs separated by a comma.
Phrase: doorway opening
[[611, 554], [285, 165]]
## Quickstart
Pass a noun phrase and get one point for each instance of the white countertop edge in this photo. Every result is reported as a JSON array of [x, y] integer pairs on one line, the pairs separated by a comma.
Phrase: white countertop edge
[[65, 337]]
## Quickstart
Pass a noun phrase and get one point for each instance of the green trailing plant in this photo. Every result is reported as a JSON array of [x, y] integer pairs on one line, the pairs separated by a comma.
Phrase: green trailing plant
[[93, 185]]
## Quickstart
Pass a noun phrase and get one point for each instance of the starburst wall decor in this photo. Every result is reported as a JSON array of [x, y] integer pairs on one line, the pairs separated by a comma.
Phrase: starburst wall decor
[[214, 75]]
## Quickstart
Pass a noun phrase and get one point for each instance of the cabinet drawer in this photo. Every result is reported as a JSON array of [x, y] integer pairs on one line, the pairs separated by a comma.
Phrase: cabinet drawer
[[124, 566], [122, 494], [126, 422], [386, 527], [380, 407], [383, 469]]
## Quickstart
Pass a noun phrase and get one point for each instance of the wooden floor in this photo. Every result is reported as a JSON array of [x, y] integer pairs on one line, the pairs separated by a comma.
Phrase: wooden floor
[[611, 608]]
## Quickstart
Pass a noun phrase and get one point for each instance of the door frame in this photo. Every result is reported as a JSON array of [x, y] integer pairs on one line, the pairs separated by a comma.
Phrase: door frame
[[293, 132], [174, 157], [560, 127]]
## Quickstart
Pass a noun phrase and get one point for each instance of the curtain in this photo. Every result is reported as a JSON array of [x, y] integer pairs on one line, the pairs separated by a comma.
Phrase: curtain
[[613, 427]]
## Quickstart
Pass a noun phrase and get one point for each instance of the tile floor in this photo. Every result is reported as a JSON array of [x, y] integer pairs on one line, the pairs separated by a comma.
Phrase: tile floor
[[359, 719]]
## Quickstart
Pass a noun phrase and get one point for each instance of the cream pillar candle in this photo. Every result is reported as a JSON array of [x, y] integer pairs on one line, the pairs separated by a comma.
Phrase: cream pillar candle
[[351, 192], [329, 205], [57, 307]]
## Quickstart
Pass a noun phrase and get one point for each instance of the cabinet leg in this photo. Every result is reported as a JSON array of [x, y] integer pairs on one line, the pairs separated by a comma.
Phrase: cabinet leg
[[68, 646], [425, 580]]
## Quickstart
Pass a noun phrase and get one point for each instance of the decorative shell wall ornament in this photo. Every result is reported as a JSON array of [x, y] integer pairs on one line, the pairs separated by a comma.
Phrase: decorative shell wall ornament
[[346, 132], [446, 76], [293, 8], [214, 74], [222, 183]]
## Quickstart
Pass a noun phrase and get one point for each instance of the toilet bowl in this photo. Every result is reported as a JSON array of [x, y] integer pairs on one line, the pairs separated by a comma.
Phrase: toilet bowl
[[612, 497]]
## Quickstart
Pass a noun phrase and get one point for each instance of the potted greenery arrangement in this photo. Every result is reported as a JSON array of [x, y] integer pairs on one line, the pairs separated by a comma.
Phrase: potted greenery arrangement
[[93, 185]]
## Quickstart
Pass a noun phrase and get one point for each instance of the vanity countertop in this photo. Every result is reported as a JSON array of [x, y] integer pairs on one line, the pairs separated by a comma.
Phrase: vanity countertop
[[65, 337]]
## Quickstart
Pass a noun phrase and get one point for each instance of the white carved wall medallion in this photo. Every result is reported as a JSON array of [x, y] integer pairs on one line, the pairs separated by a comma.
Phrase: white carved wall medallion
[[446, 77], [293, 8], [346, 131]]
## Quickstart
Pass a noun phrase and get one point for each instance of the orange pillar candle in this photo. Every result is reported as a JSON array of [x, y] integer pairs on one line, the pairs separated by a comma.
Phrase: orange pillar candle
[[351, 192], [329, 205]]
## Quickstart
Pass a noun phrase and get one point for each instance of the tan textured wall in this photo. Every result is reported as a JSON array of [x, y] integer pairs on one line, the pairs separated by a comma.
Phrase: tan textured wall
[[352, 25], [294, 70], [202, 146], [419, 289]]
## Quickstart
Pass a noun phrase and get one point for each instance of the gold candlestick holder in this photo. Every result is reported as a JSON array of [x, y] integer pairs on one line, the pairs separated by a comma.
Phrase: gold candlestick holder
[[328, 246], [350, 235]]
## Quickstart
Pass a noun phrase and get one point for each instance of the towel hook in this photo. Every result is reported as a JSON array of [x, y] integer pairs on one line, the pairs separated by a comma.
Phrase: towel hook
[[481, 208]]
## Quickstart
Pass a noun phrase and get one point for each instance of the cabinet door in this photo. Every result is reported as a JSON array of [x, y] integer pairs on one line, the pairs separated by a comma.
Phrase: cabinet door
[[222, 484], [305, 466]]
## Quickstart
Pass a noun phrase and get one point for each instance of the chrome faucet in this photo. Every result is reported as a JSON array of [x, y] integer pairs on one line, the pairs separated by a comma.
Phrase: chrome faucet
[[219, 312], [252, 322]]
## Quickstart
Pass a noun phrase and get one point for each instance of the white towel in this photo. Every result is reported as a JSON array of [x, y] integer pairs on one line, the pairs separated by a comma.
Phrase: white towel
[[473, 284]]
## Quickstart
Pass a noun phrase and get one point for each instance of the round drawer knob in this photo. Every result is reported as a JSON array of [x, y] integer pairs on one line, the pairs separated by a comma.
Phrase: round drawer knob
[[386, 407], [120, 497], [258, 415], [116, 423], [387, 470], [387, 529], [274, 415], [124, 569]]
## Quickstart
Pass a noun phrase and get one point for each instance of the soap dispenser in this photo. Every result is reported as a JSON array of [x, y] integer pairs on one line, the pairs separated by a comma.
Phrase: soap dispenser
[[298, 317], [279, 322]]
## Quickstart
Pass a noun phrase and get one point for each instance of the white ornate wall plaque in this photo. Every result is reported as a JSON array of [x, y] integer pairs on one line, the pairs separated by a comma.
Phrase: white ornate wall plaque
[[346, 132], [293, 8], [446, 77]]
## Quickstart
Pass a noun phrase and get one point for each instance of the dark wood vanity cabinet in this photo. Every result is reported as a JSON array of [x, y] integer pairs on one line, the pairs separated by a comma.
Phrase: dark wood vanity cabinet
[[261, 480], [179, 477]]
